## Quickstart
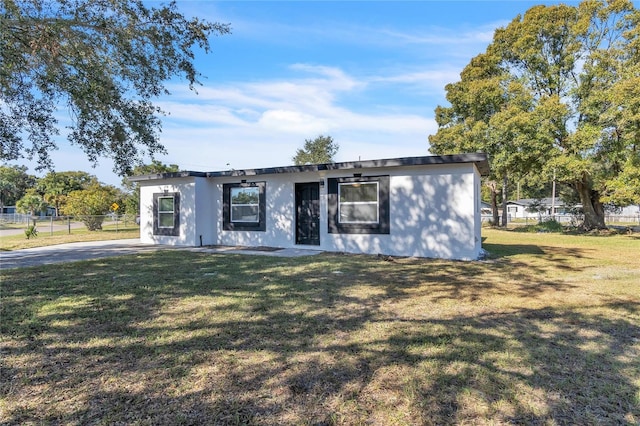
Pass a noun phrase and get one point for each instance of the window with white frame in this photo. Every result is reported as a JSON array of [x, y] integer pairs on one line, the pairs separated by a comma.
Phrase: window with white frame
[[358, 202], [245, 204], [166, 218], [358, 205], [166, 212]]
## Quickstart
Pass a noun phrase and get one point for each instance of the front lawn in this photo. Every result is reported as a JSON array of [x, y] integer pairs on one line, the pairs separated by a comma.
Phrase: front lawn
[[46, 238], [545, 331]]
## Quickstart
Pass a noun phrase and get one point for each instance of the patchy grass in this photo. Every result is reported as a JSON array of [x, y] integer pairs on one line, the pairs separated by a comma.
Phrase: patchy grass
[[45, 238], [547, 331]]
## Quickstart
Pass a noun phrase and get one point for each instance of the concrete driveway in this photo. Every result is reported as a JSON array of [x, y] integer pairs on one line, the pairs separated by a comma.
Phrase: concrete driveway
[[71, 252], [74, 252]]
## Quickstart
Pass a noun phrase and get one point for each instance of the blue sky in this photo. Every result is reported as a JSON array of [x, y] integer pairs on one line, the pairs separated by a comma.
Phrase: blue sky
[[368, 73]]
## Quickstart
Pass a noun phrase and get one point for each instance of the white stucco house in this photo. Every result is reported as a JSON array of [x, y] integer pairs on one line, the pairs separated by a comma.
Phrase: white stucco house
[[520, 209], [414, 206]]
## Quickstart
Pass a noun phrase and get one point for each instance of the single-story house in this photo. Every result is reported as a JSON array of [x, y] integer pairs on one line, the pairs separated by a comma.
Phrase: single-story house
[[414, 206], [522, 208], [8, 210]]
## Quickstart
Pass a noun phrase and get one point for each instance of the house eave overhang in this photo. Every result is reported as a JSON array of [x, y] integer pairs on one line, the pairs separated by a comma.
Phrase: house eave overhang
[[479, 159], [163, 176]]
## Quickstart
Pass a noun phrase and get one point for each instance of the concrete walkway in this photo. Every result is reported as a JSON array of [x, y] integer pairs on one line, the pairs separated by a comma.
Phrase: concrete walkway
[[74, 252]]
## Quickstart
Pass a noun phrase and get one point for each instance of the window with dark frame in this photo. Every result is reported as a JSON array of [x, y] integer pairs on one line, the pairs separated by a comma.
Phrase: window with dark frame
[[166, 214], [244, 206], [358, 205], [358, 202]]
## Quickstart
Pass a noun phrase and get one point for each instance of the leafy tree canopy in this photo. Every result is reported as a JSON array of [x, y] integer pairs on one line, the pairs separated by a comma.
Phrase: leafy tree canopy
[[105, 61], [147, 169], [31, 203], [14, 182], [318, 151], [56, 186], [91, 204], [555, 92]]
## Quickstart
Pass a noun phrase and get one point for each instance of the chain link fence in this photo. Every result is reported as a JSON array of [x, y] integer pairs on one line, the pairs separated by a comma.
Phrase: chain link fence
[[69, 224], [568, 219]]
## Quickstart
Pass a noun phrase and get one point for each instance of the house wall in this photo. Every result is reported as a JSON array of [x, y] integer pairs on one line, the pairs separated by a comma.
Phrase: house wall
[[206, 215], [431, 215], [187, 189], [434, 212], [477, 215], [280, 211]]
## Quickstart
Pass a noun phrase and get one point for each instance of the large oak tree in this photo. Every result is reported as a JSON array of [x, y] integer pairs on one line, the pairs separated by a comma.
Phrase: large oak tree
[[556, 92], [100, 62]]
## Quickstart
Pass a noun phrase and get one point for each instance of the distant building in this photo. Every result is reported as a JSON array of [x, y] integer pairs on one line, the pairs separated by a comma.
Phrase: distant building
[[524, 208]]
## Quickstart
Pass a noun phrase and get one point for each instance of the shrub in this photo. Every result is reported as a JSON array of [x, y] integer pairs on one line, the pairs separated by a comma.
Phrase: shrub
[[546, 226], [31, 231], [89, 205]]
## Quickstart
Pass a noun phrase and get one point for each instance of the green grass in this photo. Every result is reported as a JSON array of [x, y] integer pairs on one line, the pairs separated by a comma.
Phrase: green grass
[[46, 238], [546, 331]]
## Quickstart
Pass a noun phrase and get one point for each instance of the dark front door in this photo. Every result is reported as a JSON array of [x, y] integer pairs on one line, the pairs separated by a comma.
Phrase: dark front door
[[308, 213]]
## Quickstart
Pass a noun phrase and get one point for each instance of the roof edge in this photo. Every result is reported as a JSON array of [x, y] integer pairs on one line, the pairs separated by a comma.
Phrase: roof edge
[[168, 175], [479, 159]]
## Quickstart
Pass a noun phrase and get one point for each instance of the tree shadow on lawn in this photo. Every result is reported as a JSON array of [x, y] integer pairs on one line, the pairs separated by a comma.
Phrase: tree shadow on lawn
[[254, 340]]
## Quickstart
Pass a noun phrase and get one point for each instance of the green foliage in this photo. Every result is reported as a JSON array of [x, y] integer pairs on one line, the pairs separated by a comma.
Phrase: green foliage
[[31, 203], [106, 61], [91, 204], [245, 196], [14, 182], [318, 151], [56, 186], [31, 232], [557, 91], [545, 226]]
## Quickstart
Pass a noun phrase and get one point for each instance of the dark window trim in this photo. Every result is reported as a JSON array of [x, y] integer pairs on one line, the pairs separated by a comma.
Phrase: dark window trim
[[227, 225], [171, 232], [344, 203], [335, 227]]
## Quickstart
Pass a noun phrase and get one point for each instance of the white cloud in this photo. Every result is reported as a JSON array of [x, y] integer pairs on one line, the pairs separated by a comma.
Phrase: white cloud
[[443, 36], [261, 124], [291, 122]]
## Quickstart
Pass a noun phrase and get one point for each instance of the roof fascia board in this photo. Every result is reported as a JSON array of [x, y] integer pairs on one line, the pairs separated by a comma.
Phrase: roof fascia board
[[163, 176], [479, 159]]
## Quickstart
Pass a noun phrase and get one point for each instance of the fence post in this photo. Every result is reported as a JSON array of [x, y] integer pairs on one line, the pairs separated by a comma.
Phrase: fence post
[[69, 224]]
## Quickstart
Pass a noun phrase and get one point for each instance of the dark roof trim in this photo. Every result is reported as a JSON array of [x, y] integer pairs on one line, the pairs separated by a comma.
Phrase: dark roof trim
[[479, 159], [158, 176]]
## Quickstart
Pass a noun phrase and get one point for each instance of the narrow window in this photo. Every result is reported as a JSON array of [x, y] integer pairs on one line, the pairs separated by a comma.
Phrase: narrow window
[[166, 213], [358, 202], [166, 216]]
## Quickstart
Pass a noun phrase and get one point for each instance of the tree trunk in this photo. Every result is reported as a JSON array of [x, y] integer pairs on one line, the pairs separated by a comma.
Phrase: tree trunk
[[493, 187], [591, 205], [494, 207], [504, 201]]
